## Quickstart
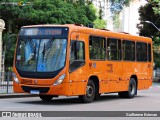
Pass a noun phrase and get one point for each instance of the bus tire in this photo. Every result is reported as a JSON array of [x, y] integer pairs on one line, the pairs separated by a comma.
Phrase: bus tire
[[90, 93], [46, 97], [132, 90]]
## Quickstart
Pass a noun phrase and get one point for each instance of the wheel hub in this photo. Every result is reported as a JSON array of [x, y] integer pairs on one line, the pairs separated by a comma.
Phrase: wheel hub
[[132, 88], [89, 91]]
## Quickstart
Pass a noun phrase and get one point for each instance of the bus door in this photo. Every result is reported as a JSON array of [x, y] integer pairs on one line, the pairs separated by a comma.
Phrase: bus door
[[77, 67], [114, 64]]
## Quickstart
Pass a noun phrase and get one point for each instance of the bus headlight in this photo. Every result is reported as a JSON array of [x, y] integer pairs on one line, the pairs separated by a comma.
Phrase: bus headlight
[[60, 80], [15, 78]]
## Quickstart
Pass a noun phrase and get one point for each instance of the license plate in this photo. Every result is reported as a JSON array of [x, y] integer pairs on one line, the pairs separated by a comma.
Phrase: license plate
[[34, 91]]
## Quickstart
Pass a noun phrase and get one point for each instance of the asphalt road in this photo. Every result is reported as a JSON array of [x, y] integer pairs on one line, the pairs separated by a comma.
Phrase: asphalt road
[[146, 100]]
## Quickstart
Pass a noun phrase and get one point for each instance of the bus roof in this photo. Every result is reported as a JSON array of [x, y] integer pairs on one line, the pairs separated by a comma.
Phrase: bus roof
[[96, 32]]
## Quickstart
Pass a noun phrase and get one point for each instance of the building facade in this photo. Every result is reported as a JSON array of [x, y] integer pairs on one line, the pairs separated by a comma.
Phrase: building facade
[[129, 16]]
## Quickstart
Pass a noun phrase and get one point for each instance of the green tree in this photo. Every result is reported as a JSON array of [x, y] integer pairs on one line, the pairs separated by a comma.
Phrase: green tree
[[99, 23], [14, 17], [41, 12], [151, 12], [147, 14], [13, 14]]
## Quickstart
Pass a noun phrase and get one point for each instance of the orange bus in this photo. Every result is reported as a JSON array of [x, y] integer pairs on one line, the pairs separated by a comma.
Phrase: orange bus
[[73, 60]]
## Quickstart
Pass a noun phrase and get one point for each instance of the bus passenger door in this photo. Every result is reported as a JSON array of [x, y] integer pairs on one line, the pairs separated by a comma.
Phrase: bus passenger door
[[77, 67]]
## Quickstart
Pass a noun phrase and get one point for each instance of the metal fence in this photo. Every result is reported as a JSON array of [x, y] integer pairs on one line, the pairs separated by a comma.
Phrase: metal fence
[[6, 83], [156, 73]]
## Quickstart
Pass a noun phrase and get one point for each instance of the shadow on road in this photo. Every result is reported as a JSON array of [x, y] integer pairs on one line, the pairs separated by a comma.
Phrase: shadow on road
[[73, 100]]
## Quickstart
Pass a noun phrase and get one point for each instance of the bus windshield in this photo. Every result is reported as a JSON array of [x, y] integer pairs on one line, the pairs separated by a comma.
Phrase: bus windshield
[[41, 55], [41, 50]]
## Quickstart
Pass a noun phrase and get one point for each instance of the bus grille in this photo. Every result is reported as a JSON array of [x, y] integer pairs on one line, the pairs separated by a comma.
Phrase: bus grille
[[41, 89]]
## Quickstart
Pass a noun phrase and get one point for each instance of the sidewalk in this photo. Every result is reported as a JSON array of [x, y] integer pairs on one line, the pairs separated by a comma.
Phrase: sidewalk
[[16, 95]]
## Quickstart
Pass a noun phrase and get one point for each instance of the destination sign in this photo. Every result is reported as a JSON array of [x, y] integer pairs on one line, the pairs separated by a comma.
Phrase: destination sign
[[43, 31]]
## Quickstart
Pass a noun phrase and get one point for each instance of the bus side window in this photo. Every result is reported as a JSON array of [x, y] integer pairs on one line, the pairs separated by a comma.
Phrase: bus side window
[[128, 50], [141, 49], [97, 48], [113, 49], [77, 55]]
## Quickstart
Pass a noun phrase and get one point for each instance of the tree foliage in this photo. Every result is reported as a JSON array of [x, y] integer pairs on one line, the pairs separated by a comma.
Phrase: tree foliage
[[99, 23], [151, 12], [42, 12], [117, 5], [147, 13]]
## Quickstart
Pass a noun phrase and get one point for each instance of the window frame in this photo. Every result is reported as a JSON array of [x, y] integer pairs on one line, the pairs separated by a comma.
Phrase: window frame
[[146, 51], [105, 45], [118, 39], [123, 51], [70, 71]]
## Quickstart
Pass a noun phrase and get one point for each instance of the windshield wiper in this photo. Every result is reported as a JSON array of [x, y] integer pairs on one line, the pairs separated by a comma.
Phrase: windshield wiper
[[35, 46], [43, 52]]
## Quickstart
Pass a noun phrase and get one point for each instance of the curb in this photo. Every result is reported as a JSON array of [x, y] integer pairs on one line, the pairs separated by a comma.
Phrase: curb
[[3, 96]]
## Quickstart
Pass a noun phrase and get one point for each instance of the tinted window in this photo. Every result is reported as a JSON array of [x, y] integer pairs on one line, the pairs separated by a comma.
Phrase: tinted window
[[128, 50], [149, 53], [77, 55], [97, 48], [141, 49], [41, 55], [113, 49]]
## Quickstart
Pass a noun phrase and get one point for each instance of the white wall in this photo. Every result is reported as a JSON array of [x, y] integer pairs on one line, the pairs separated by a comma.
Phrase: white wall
[[130, 17]]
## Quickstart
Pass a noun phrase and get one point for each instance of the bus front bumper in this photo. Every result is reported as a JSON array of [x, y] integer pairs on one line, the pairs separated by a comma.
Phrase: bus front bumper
[[48, 90]]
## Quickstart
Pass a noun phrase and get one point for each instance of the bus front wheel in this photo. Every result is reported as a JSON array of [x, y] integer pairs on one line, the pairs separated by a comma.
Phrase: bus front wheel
[[46, 97], [132, 90], [90, 93]]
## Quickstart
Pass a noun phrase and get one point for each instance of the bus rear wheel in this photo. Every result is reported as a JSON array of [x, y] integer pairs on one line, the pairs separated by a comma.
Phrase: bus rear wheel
[[90, 93], [46, 97], [132, 90]]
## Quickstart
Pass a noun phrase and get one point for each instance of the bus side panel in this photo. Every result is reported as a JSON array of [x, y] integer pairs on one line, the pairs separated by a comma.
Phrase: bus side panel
[[61, 89], [104, 83], [114, 73], [142, 74], [146, 84], [77, 87], [129, 69], [17, 88]]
